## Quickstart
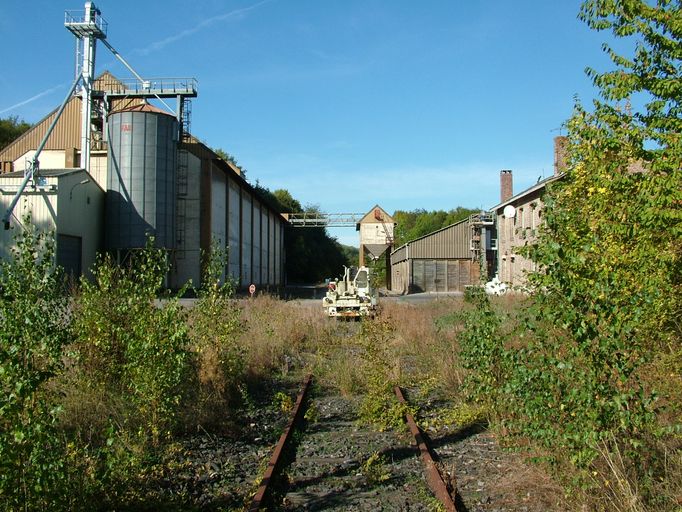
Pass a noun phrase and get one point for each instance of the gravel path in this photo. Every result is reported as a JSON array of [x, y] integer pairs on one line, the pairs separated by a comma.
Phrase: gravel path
[[340, 465]]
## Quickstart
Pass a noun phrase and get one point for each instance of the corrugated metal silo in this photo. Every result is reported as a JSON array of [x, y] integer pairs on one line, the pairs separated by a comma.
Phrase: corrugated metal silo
[[141, 188]]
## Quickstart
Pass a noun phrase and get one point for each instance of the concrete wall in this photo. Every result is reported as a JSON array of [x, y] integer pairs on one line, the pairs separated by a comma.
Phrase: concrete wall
[[234, 228], [219, 211], [256, 241], [49, 159], [246, 247]]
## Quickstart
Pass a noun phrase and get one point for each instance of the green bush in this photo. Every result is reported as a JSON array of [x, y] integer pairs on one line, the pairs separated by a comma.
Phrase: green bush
[[380, 407], [219, 358], [131, 345], [482, 352], [32, 338]]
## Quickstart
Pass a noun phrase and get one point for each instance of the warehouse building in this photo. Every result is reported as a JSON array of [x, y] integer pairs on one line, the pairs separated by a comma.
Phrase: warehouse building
[[446, 260], [147, 175]]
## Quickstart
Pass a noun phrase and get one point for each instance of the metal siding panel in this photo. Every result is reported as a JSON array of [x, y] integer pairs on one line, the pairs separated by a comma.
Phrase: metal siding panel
[[278, 251], [441, 275], [233, 230], [264, 246], [399, 254], [451, 242], [271, 249], [418, 281], [246, 239], [256, 242]]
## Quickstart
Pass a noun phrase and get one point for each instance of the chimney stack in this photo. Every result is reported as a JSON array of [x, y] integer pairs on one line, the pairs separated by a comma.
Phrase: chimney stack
[[560, 148], [506, 187]]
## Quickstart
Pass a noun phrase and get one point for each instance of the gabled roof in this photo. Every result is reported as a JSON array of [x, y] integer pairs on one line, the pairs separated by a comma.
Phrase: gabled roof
[[377, 214], [66, 134], [427, 235]]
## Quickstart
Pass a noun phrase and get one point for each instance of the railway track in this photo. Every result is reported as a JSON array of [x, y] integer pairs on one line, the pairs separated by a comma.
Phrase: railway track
[[332, 463]]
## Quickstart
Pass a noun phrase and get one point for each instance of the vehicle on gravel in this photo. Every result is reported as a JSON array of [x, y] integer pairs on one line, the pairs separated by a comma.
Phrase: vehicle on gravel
[[352, 296]]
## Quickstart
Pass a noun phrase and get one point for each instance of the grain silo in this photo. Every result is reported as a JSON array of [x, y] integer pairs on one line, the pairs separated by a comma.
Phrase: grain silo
[[141, 186]]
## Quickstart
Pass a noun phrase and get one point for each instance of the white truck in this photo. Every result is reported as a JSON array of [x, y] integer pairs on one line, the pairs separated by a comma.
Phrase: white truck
[[351, 297]]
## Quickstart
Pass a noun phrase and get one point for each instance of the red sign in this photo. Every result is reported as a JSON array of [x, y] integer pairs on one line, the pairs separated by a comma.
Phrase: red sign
[[252, 289]]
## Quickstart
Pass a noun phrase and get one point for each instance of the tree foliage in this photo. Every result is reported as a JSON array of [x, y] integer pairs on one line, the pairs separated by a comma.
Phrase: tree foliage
[[596, 361], [228, 157], [32, 338], [312, 255], [130, 346], [10, 129]]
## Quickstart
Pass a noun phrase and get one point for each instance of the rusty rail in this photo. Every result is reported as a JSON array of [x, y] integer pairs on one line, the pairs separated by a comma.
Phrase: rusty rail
[[262, 493], [433, 476]]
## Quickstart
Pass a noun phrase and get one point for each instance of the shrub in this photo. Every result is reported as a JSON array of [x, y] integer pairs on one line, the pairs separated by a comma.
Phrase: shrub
[[31, 342], [129, 345], [218, 357]]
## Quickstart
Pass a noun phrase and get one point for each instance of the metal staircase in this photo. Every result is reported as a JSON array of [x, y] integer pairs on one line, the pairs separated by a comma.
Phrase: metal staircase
[[477, 222]]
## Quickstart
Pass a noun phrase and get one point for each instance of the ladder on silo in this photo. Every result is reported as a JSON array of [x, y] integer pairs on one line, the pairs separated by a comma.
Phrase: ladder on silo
[[182, 178]]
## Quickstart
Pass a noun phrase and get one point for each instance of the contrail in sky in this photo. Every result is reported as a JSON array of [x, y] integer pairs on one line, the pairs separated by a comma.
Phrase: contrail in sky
[[188, 32], [158, 45], [32, 98]]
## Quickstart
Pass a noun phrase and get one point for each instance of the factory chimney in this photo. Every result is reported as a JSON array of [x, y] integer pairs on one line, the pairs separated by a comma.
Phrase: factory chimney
[[506, 187], [560, 148]]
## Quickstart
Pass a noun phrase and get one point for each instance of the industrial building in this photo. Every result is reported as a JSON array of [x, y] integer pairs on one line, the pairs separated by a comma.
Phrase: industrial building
[[108, 168], [142, 180], [518, 218], [446, 260], [452, 258]]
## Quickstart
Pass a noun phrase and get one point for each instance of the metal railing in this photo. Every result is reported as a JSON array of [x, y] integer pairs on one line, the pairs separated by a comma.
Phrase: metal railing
[[78, 23], [316, 219], [150, 86]]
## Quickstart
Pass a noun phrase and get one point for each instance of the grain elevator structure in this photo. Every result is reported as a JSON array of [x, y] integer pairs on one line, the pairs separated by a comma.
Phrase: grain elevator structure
[[116, 163]]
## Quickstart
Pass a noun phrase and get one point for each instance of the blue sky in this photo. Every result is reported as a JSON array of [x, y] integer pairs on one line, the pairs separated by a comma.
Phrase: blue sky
[[346, 104]]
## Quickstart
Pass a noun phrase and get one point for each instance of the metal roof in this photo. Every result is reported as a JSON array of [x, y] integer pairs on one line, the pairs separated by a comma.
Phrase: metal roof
[[449, 242]]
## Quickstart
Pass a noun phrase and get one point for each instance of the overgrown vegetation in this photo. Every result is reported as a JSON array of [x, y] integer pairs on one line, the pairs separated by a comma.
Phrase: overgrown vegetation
[[590, 370], [32, 338]]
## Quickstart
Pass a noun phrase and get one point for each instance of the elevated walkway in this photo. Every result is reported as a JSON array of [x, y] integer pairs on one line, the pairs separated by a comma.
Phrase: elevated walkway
[[157, 87], [323, 220]]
